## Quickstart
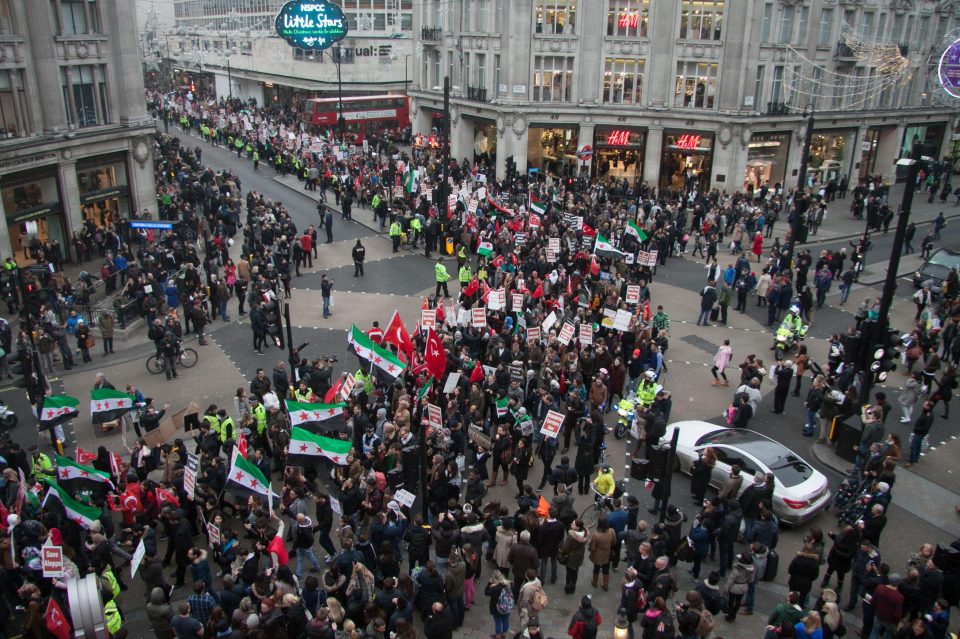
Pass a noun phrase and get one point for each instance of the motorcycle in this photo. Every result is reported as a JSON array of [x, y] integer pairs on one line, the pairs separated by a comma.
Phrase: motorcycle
[[786, 339], [626, 409], [8, 418]]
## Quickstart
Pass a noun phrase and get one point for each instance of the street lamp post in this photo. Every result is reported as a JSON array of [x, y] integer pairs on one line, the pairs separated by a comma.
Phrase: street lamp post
[[800, 204], [341, 123], [445, 133]]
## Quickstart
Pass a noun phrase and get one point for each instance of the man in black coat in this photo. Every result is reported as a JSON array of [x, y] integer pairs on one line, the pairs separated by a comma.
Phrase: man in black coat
[[438, 624], [548, 537], [784, 375]]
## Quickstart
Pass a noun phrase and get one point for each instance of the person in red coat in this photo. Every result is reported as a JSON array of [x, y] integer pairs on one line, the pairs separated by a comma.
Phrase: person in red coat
[[757, 248]]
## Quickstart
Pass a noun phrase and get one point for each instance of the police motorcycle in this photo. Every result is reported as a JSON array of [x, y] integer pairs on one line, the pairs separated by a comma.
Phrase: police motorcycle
[[636, 402], [791, 331]]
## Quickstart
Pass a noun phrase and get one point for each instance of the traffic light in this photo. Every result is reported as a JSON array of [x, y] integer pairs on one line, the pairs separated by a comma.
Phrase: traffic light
[[271, 313], [511, 168], [885, 354]]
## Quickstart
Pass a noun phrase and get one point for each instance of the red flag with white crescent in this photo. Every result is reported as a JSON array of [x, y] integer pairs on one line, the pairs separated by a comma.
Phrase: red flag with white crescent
[[434, 356], [242, 445], [397, 334], [84, 458], [56, 621]]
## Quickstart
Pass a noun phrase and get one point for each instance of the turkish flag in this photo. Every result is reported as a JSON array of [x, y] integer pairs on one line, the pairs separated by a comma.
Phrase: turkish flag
[[56, 621], [476, 375], [434, 356], [472, 287], [84, 458], [242, 445], [486, 293], [497, 261], [167, 497], [116, 465], [332, 393], [594, 267], [538, 292], [397, 335], [588, 230]]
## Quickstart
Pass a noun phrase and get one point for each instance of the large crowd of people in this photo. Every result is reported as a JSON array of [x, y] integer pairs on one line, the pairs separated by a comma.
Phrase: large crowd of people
[[564, 273]]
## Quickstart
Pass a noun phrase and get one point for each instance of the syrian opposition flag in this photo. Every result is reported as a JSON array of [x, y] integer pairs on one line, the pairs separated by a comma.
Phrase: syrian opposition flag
[[81, 476], [79, 513], [396, 333], [386, 364], [246, 478], [107, 405], [502, 404], [360, 344], [485, 249], [410, 181], [425, 389], [603, 248], [536, 205], [636, 231], [325, 416], [57, 409], [306, 445], [83, 457]]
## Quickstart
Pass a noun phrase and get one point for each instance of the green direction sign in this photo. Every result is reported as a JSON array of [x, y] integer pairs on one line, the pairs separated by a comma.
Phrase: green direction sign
[[311, 24]]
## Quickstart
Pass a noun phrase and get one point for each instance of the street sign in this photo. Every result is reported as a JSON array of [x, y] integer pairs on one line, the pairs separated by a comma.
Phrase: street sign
[[311, 24], [585, 153], [161, 226]]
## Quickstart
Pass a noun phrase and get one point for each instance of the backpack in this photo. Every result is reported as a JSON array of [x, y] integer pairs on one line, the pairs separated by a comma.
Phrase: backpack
[[505, 602], [641, 603], [706, 624], [589, 626], [539, 600]]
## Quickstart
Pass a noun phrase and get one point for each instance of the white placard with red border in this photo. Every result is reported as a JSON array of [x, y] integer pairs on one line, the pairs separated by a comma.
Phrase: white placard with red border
[[213, 534], [497, 300], [428, 318], [52, 560], [434, 418], [551, 255], [517, 301], [554, 243], [566, 333], [478, 317], [533, 333], [551, 424], [586, 334], [633, 294]]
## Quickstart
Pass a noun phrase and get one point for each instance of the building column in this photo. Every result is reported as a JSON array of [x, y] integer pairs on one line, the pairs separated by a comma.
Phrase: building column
[[126, 69], [509, 142], [421, 120], [663, 25], [46, 67], [143, 190], [651, 156], [888, 148], [5, 234], [70, 196], [461, 138]]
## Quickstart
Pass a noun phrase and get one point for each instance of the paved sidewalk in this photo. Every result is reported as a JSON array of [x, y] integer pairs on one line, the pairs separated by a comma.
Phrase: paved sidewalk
[[929, 500]]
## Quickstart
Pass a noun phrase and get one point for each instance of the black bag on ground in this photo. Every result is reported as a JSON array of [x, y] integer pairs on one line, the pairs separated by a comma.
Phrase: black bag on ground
[[714, 313], [773, 564]]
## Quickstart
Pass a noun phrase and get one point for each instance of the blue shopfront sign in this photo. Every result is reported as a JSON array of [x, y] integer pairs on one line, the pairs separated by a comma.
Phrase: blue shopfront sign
[[160, 226], [311, 24]]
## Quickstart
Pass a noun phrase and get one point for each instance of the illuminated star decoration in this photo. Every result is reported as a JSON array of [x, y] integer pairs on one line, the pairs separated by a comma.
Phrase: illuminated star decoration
[[878, 66]]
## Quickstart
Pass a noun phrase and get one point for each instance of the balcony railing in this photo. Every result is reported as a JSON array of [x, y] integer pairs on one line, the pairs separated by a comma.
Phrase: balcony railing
[[431, 34], [844, 52], [477, 94], [777, 108]]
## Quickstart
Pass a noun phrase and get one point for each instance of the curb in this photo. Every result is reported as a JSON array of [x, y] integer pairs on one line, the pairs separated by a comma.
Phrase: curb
[[825, 455]]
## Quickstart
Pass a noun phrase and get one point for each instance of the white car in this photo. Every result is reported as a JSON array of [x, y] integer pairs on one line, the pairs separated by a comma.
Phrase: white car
[[800, 491]]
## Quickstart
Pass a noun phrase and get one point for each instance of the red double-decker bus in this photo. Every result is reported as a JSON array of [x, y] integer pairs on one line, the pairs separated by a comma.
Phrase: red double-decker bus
[[365, 116]]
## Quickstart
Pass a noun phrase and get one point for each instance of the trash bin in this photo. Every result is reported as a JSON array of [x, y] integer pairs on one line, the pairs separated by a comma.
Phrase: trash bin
[[847, 437], [639, 469]]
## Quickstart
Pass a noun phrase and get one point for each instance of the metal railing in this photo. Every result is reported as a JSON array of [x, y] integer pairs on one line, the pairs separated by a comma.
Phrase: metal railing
[[431, 34], [478, 94], [777, 108]]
